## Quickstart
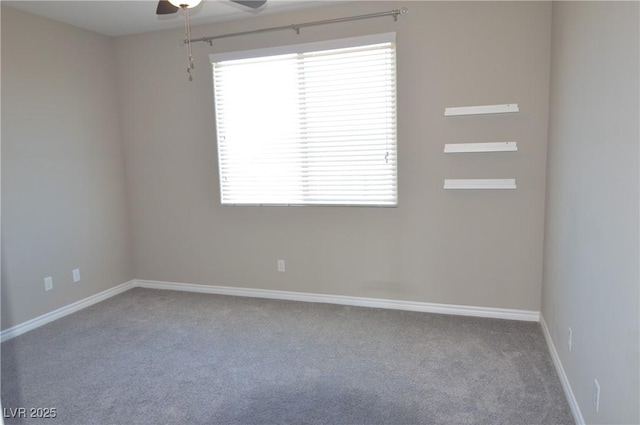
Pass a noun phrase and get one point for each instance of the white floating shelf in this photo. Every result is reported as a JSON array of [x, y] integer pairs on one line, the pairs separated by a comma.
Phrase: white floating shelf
[[480, 183], [481, 147], [483, 109]]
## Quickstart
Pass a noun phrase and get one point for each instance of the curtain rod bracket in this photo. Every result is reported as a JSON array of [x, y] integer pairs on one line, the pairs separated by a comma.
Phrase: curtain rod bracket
[[397, 12]]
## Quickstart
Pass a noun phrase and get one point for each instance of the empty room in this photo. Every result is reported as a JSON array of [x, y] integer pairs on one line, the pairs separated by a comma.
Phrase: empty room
[[320, 212]]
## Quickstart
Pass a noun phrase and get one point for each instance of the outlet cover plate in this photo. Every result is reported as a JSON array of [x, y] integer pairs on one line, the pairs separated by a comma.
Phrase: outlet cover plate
[[48, 283]]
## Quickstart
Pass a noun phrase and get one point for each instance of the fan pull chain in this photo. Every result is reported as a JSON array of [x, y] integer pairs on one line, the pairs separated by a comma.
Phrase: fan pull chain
[[187, 29]]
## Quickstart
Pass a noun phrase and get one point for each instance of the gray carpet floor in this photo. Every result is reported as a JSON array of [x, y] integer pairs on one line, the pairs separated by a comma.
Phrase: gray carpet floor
[[164, 357]]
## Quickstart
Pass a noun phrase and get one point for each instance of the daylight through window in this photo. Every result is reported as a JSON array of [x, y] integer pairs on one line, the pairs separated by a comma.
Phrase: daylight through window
[[310, 124]]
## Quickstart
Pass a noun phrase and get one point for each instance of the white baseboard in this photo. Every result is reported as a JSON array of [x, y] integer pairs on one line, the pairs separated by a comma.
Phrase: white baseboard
[[564, 380], [458, 310], [64, 311]]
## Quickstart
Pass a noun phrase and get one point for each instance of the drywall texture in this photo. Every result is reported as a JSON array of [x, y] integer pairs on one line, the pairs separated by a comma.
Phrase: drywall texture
[[481, 248], [63, 190], [591, 272]]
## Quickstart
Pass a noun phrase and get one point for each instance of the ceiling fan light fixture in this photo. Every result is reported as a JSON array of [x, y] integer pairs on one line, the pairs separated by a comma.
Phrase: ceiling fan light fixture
[[185, 4]]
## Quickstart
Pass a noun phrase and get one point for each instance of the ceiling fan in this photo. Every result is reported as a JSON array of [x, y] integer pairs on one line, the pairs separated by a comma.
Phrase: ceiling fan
[[168, 7]]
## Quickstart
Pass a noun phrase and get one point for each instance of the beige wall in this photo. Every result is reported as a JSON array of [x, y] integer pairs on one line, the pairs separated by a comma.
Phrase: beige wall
[[591, 276], [66, 108], [481, 248], [63, 190]]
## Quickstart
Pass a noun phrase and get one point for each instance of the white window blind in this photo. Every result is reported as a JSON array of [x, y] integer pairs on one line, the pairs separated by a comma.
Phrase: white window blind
[[308, 126]]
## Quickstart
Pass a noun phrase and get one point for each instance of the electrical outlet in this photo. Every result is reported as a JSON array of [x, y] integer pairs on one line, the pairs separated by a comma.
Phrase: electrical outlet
[[570, 339], [596, 394], [76, 275], [281, 266], [48, 283]]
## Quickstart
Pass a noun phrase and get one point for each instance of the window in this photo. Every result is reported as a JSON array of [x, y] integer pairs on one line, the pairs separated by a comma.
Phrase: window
[[311, 124]]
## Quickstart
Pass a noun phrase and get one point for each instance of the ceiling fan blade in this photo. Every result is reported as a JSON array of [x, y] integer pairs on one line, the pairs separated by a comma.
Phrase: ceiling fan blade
[[166, 8], [253, 4]]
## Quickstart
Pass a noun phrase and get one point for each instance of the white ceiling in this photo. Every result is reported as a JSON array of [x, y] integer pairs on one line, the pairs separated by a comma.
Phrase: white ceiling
[[115, 18]]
